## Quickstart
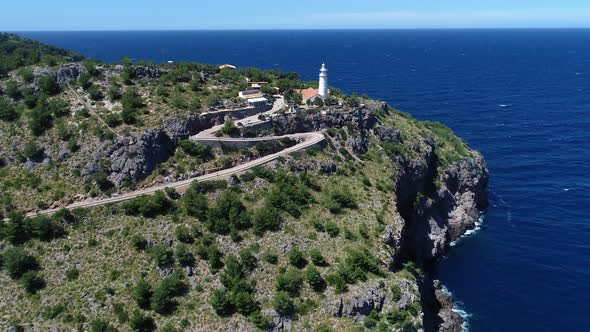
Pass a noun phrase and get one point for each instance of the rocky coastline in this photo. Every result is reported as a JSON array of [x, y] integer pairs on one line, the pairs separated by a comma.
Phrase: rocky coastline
[[435, 206]]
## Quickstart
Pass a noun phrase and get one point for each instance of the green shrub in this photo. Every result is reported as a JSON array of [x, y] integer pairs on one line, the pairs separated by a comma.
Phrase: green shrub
[[162, 300], [141, 323], [314, 279], [338, 200], [31, 282], [195, 203], [113, 120], [16, 261], [270, 257], [142, 293], [138, 242], [120, 312], [132, 103], [399, 318], [161, 254], [99, 325], [297, 258], [33, 151], [289, 281], [325, 328], [227, 213], [317, 258], [58, 107], [266, 218], [332, 229], [283, 303], [248, 261], [288, 194], [8, 111], [371, 320], [72, 274], [244, 302], [201, 151], [364, 230], [48, 85], [184, 235], [184, 256], [221, 303], [396, 293], [148, 206]]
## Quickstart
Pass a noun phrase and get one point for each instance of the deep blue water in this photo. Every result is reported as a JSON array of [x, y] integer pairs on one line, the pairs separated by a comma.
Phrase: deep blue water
[[522, 97]]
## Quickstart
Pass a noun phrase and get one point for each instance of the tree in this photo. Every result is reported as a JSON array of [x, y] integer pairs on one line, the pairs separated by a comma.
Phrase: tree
[[297, 258], [85, 81], [31, 282], [266, 218], [12, 89], [99, 325], [8, 110], [314, 278], [95, 93], [195, 203], [142, 293], [184, 256], [245, 302], [161, 254], [221, 303], [132, 103], [316, 258], [33, 151], [48, 85], [283, 303], [141, 323], [40, 119], [138, 242], [17, 262], [289, 281], [58, 107], [227, 213]]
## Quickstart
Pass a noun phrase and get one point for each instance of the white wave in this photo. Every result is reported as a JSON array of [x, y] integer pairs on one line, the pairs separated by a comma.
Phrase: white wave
[[459, 309], [470, 232]]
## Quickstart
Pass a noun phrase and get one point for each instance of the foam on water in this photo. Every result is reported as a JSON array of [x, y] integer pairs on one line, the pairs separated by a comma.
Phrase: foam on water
[[470, 232], [458, 308]]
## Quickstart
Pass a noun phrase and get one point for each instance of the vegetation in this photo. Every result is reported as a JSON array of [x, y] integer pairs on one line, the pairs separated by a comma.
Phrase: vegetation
[[17, 52]]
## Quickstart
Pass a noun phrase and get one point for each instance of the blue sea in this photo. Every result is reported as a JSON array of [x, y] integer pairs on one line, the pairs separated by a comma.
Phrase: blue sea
[[521, 97]]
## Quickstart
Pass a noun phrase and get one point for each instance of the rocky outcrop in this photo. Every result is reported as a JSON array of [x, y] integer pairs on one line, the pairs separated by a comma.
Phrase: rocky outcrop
[[359, 303], [278, 322], [359, 119], [136, 158], [147, 72], [62, 75]]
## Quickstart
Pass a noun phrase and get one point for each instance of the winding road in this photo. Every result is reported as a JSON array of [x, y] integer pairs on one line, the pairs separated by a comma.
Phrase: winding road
[[305, 140]]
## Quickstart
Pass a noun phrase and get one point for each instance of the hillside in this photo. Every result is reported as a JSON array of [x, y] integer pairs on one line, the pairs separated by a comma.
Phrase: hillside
[[339, 236]]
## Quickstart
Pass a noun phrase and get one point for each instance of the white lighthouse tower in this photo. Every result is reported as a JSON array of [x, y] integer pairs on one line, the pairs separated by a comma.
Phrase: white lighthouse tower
[[323, 89]]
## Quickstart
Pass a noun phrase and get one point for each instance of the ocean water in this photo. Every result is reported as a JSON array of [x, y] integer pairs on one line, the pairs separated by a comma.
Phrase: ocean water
[[521, 97]]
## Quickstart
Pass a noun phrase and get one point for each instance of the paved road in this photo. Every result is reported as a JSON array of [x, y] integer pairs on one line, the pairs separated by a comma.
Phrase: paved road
[[305, 140]]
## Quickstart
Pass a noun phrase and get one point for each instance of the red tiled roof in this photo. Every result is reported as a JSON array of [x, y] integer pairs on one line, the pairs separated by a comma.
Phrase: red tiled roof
[[307, 93]]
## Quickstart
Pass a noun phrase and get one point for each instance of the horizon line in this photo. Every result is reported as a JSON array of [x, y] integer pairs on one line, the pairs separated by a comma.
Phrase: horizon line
[[305, 29]]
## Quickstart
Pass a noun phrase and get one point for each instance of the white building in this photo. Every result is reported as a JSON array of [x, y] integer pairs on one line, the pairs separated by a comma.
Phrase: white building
[[323, 88]]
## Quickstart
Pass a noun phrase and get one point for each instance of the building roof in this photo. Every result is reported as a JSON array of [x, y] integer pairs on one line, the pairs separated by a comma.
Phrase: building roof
[[308, 93], [227, 66], [249, 92], [257, 100]]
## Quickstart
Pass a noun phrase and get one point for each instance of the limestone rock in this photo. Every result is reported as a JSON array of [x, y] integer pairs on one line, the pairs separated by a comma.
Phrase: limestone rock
[[360, 301], [278, 322]]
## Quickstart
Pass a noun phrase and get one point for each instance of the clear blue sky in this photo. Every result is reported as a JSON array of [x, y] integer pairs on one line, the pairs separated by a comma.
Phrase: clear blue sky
[[301, 14]]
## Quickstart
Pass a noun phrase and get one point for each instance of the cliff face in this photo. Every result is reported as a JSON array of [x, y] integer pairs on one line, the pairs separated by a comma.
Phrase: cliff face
[[437, 207]]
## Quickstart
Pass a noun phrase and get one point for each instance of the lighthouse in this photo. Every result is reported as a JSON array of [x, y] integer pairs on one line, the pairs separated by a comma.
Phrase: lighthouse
[[323, 88]]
